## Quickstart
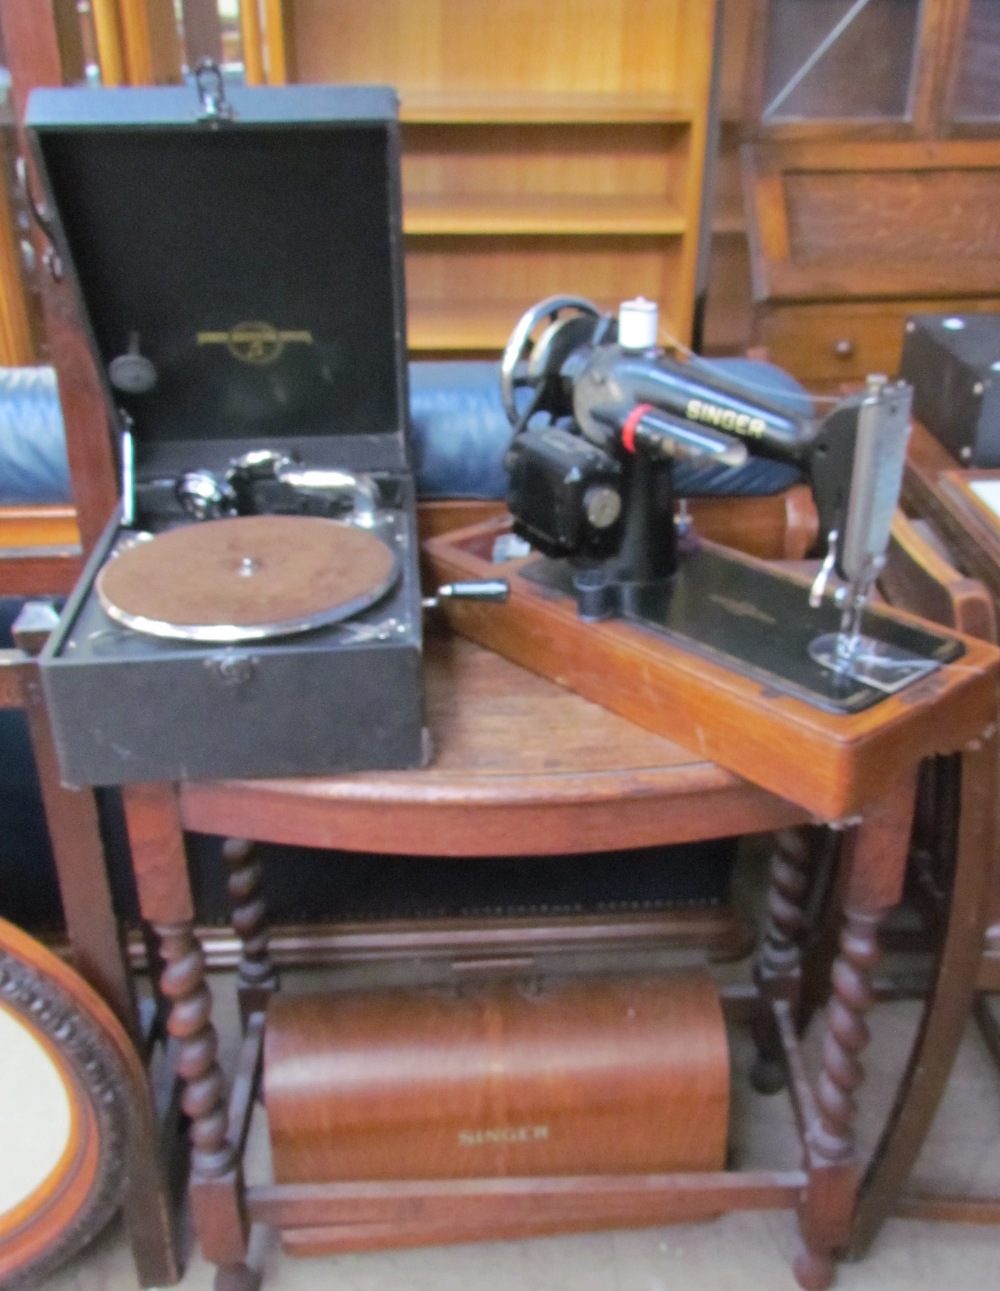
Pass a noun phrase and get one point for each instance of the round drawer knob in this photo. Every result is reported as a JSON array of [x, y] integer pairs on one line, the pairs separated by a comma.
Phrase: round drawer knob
[[844, 348]]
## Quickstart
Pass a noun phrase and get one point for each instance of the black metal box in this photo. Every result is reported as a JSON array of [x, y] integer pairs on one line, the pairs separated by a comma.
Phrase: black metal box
[[953, 363], [240, 267]]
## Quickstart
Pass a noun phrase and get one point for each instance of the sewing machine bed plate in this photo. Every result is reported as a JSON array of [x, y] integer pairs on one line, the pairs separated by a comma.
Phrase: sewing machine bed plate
[[748, 618], [829, 763]]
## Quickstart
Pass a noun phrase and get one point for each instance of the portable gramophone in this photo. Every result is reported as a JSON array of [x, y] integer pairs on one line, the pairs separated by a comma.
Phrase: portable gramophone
[[255, 608]]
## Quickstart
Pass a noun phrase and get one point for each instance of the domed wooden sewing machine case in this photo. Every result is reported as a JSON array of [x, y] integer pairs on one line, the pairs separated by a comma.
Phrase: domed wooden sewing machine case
[[588, 1076], [248, 248]]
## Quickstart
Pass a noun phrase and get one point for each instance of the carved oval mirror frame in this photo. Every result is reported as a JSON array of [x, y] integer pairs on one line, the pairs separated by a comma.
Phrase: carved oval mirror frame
[[66, 1104]]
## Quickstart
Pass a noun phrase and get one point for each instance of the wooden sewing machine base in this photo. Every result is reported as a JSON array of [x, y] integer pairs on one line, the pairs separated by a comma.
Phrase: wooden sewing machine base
[[784, 733]]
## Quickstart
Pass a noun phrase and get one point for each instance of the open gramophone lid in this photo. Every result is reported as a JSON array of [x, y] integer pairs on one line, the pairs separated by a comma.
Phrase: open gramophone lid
[[247, 578]]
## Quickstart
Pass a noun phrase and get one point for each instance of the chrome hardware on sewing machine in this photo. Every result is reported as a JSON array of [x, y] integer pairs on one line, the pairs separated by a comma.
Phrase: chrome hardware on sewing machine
[[601, 414]]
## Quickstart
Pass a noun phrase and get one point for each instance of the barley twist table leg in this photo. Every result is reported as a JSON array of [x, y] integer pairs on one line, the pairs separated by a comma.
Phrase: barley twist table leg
[[217, 1195], [249, 914], [203, 1100], [831, 1139], [777, 970], [875, 859], [846, 1035]]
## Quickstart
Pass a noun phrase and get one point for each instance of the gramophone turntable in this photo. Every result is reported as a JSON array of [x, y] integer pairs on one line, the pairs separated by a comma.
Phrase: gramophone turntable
[[254, 608], [247, 579], [320, 550]]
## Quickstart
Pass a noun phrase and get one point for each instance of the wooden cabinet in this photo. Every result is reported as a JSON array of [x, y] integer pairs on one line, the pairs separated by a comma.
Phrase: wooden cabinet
[[880, 68], [973, 100], [823, 63], [828, 344], [547, 148], [871, 175], [849, 238]]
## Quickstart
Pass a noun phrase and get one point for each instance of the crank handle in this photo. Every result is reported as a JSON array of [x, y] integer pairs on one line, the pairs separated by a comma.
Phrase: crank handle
[[494, 590]]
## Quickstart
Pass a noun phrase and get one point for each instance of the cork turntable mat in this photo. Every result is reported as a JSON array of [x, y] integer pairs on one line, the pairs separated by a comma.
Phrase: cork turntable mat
[[253, 576]]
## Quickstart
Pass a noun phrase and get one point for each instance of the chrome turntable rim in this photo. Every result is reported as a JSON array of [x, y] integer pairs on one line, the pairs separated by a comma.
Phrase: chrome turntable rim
[[246, 554]]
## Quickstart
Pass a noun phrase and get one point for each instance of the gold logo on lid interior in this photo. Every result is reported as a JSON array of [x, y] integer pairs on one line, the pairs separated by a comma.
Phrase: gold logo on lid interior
[[255, 342]]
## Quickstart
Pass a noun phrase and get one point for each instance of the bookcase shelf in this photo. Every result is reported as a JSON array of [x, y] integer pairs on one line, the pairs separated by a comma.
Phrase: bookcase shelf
[[555, 148], [465, 107], [571, 216]]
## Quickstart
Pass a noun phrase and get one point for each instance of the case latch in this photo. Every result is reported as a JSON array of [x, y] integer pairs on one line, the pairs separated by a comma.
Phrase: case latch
[[233, 670], [212, 92]]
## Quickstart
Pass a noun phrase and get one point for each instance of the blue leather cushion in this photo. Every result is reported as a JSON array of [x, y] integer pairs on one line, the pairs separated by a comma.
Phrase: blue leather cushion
[[32, 441], [461, 432]]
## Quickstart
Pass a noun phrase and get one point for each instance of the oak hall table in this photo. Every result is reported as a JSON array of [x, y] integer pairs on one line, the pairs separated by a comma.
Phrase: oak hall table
[[524, 767]]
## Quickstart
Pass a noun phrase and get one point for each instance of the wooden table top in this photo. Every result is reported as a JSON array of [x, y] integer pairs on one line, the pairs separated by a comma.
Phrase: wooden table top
[[520, 766]]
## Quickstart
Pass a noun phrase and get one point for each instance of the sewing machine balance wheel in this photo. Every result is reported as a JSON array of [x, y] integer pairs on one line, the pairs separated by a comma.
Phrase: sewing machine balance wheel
[[535, 352]]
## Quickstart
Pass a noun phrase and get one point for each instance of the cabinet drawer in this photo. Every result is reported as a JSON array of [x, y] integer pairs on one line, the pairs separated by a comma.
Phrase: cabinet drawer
[[846, 341]]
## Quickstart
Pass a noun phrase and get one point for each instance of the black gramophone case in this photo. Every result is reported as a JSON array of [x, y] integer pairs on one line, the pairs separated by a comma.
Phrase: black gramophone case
[[255, 261]]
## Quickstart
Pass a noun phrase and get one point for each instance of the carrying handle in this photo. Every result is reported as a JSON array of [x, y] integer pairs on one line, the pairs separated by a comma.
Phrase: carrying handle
[[212, 92]]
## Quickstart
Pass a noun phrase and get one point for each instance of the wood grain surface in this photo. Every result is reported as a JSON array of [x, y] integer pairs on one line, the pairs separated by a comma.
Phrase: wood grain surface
[[829, 764], [782, 526], [570, 137], [612, 1075], [616, 46], [912, 215], [865, 219], [521, 767], [935, 489], [843, 340], [36, 55], [372, 1215]]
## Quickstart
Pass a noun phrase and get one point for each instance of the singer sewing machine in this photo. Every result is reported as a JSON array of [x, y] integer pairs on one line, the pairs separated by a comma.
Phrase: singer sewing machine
[[614, 597]]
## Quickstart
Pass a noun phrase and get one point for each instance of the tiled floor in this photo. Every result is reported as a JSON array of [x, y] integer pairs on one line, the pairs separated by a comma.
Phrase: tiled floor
[[739, 1252]]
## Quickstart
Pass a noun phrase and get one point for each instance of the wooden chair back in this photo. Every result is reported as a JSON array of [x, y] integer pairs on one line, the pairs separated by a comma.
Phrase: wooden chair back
[[918, 577]]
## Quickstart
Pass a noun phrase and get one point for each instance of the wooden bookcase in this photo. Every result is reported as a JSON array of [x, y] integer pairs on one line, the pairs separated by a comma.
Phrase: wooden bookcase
[[555, 148]]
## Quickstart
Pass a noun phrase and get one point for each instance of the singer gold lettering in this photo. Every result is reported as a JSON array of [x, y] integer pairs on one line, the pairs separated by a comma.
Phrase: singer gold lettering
[[503, 1134], [710, 414]]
